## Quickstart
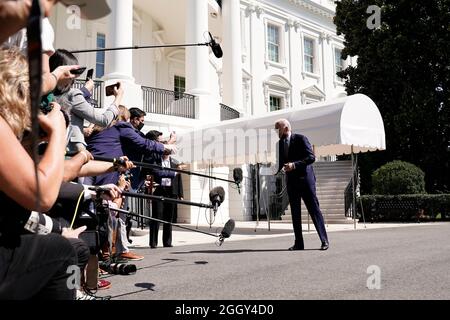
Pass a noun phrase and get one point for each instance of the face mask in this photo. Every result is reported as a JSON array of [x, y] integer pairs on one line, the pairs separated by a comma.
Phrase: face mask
[[140, 126]]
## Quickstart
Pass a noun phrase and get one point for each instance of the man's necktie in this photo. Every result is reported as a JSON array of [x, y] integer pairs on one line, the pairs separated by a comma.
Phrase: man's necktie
[[285, 150]]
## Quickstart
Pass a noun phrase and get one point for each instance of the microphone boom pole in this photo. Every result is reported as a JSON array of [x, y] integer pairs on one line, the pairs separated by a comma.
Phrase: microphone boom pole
[[162, 221], [143, 47], [164, 199], [155, 166]]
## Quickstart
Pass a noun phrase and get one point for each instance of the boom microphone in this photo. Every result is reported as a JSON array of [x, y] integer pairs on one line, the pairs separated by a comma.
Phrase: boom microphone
[[226, 231], [237, 177], [216, 196], [215, 47]]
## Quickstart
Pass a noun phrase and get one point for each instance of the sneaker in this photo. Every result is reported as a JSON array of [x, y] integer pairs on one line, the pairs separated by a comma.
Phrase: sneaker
[[131, 256], [81, 295], [86, 295], [103, 284]]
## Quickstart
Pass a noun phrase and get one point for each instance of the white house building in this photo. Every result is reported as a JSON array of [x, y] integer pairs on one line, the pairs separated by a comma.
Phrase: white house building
[[276, 54]]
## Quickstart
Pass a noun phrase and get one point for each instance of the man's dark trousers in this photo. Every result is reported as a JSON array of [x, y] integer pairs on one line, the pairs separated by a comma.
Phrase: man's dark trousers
[[164, 211], [304, 188]]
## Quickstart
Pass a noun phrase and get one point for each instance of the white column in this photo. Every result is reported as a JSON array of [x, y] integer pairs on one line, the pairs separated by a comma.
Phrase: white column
[[120, 62], [295, 64], [257, 58], [232, 56], [197, 57]]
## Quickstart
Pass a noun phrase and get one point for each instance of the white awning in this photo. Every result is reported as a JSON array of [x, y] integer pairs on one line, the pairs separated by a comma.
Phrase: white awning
[[332, 127]]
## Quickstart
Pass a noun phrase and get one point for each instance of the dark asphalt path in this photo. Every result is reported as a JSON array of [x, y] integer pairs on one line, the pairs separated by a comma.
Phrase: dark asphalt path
[[414, 263]]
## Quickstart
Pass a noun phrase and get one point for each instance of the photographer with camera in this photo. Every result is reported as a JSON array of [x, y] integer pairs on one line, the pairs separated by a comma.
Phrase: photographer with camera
[[73, 101], [111, 142], [31, 266]]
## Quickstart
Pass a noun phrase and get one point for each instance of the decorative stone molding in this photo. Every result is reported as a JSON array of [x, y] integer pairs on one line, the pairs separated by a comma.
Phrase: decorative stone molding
[[325, 36], [315, 8], [293, 24], [255, 8]]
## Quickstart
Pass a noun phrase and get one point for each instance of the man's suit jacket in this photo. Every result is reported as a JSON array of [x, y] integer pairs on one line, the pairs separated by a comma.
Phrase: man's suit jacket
[[301, 154], [177, 185]]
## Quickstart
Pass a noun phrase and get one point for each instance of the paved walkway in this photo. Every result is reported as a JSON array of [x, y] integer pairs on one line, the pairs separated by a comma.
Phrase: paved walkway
[[247, 230], [385, 261]]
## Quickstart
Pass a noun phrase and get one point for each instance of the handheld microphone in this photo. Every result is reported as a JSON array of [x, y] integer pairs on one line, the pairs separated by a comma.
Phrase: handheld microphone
[[226, 231], [216, 196], [215, 47], [237, 177]]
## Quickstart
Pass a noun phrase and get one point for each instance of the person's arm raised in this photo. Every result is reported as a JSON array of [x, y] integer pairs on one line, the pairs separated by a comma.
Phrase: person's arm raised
[[17, 175]]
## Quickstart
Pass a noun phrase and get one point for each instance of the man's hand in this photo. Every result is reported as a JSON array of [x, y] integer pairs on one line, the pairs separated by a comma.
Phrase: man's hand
[[63, 72], [53, 122], [170, 148], [72, 233], [112, 193], [118, 92], [288, 167], [173, 138], [87, 131], [89, 85], [127, 166], [123, 184]]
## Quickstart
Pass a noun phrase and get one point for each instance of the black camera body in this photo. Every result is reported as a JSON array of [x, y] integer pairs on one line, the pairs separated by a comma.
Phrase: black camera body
[[118, 268], [127, 176], [45, 105]]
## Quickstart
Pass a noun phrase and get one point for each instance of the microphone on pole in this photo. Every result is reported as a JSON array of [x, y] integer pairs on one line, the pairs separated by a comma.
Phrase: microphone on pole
[[215, 47], [216, 196], [237, 177], [226, 231]]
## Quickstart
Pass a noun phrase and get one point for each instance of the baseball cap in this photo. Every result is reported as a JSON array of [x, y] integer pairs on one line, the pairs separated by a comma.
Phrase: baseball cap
[[90, 9]]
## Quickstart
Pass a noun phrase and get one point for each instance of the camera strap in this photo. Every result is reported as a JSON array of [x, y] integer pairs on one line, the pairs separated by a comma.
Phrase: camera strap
[[35, 78]]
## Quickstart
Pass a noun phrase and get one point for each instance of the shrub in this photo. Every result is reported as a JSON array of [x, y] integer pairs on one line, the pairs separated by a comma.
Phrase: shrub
[[398, 177], [406, 208]]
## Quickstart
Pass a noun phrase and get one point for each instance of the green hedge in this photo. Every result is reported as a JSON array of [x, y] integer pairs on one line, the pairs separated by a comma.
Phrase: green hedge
[[406, 208], [398, 177]]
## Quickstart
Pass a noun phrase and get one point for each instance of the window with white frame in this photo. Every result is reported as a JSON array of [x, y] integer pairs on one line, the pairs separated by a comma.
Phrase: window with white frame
[[273, 43], [179, 86], [275, 103], [339, 63], [308, 54], [100, 56]]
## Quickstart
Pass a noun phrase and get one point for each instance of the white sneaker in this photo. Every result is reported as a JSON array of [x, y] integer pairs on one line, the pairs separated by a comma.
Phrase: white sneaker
[[81, 295]]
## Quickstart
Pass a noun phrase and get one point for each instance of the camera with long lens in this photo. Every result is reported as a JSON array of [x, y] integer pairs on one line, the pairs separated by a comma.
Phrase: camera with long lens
[[118, 268]]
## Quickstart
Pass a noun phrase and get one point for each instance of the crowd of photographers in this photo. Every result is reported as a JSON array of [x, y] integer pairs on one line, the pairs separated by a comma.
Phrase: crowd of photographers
[[57, 220]]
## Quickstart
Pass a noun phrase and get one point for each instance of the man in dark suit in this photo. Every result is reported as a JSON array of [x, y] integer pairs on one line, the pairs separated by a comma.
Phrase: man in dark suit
[[169, 185], [295, 158]]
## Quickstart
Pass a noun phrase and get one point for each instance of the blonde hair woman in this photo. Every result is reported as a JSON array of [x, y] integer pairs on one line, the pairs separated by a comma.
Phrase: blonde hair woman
[[29, 264]]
